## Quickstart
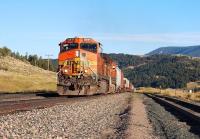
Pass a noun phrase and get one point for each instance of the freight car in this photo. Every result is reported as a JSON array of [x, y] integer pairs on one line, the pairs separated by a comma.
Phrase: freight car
[[84, 70]]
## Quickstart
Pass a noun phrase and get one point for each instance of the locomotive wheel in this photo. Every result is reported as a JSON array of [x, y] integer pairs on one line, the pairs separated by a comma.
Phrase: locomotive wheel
[[60, 90], [88, 90], [103, 87], [112, 88], [83, 90], [64, 91], [92, 89]]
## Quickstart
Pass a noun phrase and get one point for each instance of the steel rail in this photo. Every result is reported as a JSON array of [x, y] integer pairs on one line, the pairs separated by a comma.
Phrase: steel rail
[[188, 109], [10, 107]]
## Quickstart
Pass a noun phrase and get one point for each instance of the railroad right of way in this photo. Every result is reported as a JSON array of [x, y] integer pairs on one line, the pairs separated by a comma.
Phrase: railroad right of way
[[122, 115], [96, 117]]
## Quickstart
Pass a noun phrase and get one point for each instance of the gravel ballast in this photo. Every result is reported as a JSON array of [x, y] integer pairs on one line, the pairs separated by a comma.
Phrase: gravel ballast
[[167, 125], [95, 118]]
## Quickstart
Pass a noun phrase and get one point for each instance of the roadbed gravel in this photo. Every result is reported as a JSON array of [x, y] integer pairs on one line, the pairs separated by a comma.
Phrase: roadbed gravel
[[95, 118], [168, 123]]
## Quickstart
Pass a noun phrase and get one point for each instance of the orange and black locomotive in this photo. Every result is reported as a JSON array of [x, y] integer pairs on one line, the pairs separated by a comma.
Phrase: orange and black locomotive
[[84, 70]]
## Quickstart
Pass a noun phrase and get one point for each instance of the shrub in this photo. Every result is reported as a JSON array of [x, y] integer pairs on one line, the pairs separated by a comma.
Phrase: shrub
[[5, 51], [3, 68]]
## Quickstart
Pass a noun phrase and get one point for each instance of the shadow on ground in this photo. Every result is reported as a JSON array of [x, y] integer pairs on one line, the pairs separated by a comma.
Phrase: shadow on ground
[[47, 94]]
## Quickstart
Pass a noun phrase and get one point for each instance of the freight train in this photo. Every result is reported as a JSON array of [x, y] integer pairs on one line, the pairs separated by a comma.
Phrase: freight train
[[84, 70]]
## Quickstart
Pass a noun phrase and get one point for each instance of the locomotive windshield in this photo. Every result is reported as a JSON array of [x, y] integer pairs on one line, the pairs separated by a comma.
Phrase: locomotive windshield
[[92, 47], [68, 46]]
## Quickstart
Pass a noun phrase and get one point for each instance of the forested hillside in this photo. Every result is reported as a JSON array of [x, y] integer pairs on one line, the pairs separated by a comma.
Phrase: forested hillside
[[126, 60], [159, 70]]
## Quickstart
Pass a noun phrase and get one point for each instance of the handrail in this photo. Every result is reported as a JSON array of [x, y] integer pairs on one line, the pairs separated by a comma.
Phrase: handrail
[[93, 73]]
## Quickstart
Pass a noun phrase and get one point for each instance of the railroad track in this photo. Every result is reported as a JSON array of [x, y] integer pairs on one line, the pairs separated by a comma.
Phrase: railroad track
[[190, 110], [9, 107]]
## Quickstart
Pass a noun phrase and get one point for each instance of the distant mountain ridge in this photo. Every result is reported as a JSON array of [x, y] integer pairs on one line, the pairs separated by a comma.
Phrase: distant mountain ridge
[[193, 51]]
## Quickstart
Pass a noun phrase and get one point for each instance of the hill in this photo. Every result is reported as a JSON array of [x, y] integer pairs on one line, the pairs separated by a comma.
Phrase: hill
[[20, 76], [127, 60], [164, 71], [193, 51]]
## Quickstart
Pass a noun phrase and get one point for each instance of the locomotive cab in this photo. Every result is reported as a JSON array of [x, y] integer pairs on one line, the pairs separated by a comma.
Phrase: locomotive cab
[[77, 57]]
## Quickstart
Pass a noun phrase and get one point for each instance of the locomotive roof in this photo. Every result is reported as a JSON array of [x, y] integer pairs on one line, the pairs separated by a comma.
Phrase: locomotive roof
[[79, 40]]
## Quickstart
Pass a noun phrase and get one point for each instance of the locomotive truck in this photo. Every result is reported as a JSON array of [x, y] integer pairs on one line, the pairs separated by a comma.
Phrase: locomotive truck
[[84, 70]]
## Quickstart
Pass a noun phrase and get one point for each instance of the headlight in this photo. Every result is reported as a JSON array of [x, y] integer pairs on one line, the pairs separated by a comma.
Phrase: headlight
[[77, 53], [86, 71], [65, 70]]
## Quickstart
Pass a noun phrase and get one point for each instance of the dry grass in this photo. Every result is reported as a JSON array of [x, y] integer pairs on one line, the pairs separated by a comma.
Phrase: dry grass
[[193, 85], [171, 92], [22, 77], [147, 90]]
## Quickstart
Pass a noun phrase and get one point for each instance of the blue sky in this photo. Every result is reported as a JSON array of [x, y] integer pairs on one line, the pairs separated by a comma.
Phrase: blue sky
[[122, 26]]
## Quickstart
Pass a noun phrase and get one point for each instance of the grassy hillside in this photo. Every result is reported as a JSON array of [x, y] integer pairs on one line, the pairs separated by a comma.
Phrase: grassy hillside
[[190, 51], [19, 76]]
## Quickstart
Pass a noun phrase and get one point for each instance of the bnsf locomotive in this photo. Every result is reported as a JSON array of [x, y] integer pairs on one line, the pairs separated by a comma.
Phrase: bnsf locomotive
[[84, 70]]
